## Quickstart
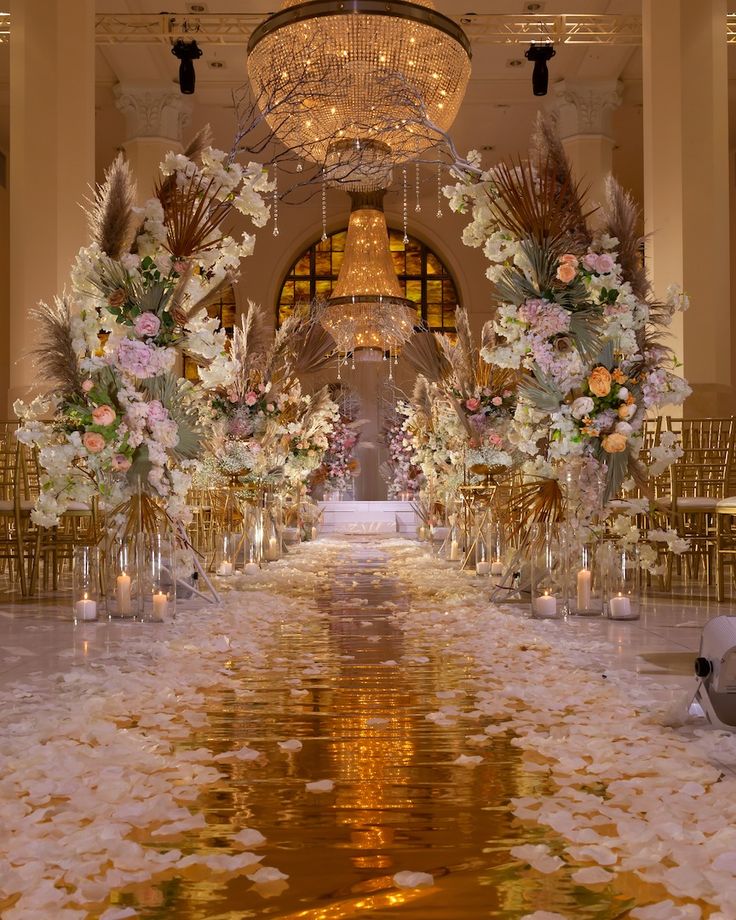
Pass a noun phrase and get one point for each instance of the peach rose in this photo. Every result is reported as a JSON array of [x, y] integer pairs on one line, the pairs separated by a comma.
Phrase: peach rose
[[614, 443], [566, 272], [570, 259], [626, 412], [103, 415], [94, 442], [599, 382]]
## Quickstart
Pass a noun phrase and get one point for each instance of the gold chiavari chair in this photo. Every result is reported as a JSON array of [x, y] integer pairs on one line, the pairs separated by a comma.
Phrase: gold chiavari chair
[[698, 481], [11, 535]]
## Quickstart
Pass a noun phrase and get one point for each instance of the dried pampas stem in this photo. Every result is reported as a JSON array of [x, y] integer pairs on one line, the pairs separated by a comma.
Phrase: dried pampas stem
[[55, 356], [112, 221]]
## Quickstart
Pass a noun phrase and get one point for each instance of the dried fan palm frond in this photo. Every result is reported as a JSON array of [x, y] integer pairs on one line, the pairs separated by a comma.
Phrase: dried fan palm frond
[[540, 391], [487, 335], [192, 215], [112, 221], [586, 328], [622, 218], [549, 150], [423, 353], [55, 356], [497, 379], [201, 140], [312, 347], [538, 502], [532, 205]]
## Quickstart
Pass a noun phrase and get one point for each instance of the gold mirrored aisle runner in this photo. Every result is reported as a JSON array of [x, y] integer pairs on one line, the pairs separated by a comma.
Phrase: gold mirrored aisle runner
[[356, 692]]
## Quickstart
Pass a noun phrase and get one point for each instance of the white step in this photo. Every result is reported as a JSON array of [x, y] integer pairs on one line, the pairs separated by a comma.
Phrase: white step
[[353, 517]]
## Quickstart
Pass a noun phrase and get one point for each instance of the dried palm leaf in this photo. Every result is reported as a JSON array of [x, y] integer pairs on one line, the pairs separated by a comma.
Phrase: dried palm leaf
[[586, 328], [192, 215], [421, 397], [55, 356], [277, 360], [199, 143], [487, 335], [111, 219], [622, 219], [538, 502], [540, 391], [175, 394], [549, 150], [423, 353], [312, 348]]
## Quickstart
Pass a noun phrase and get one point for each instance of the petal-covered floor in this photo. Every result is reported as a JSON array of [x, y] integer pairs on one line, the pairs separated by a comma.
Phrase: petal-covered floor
[[355, 732]]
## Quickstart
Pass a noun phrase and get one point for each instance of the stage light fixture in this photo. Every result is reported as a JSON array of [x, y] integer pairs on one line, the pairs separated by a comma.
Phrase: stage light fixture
[[539, 53], [187, 52]]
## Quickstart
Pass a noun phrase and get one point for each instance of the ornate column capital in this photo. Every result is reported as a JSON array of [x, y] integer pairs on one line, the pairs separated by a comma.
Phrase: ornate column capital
[[153, 110], [585, 106]]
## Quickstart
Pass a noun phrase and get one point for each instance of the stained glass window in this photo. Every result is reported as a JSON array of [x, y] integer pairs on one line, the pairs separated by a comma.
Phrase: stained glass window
[[423, 276], [223, 309]]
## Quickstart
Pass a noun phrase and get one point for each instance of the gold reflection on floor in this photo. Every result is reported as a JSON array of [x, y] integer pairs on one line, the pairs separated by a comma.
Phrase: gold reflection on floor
[[399, 803]]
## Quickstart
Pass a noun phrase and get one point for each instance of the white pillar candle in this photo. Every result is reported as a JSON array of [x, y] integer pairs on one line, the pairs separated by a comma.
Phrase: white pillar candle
[[583, 586], [160, 606], [314, 533], [251, 568], [225, 568], [497, 567], [85, 609], [122, 593], [273, 548], [619, 607], [454, 551], [482, 568], [545, 605]]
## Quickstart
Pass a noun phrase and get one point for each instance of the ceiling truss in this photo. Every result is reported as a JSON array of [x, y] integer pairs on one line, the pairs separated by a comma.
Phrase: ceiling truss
[[235, 29]]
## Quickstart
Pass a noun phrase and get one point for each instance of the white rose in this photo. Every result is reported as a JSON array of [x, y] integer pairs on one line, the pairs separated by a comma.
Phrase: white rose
[[623, 394], [582, 406], [623, 428]]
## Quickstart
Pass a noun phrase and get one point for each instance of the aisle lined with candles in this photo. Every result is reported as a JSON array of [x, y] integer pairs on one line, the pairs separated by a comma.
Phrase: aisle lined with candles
[[354, 731]]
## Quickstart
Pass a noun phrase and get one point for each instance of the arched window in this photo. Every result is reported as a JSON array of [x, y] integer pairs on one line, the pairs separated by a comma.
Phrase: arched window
[[223, 309], [424, 277]]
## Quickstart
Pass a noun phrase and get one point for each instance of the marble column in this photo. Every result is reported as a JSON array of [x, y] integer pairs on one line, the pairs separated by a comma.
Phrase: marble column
[[155, 115], [686, 186], [583, 110], [51, 161]]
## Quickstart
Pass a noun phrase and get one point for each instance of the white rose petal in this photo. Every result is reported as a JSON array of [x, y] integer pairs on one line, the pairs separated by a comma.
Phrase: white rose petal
[[409, 879]]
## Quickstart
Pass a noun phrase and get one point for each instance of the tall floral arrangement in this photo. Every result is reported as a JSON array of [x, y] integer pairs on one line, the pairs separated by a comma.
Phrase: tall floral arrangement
[[263, 427], [122, 420], [574, 316], [402, 474], [339, 465]]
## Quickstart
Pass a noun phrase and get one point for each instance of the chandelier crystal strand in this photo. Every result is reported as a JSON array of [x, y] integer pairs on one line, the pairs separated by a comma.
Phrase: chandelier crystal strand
[[439, 190], [324, 206], [405, 190], [418, 204], [275, 199]]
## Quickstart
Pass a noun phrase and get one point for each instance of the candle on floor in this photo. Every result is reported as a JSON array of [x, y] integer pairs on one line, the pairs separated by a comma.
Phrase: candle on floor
[[273, 548], [314, 533], [225, 568], [583, 586], [620, 607], [454, 551], [122, 593], [545, 605], [86, 609], [160, 606], [251, 568], [482, 568], [497, 567]]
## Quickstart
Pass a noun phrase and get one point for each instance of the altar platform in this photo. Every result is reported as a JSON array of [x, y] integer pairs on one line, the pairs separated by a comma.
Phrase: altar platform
[[374, 517]]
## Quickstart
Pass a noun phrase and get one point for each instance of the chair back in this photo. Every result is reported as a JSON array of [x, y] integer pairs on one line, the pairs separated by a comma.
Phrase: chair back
[[704, 469]]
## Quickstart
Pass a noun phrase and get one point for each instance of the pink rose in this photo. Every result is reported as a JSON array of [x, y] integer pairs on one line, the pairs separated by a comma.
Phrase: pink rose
[[590, 261], [87, 385], [472, 404], [103, 415], [147, 324], [157, 412], [121, 463], [569, 259], [270, 407], [93, 441], [251, 399], [180, 266], [497, 401], [566, 272], [604, 264]]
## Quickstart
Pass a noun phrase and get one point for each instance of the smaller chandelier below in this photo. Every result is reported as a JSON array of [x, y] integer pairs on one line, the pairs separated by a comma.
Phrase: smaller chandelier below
[[367, 309]]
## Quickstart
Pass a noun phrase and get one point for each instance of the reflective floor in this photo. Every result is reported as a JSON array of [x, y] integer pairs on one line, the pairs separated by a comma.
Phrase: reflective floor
[[356, 694]]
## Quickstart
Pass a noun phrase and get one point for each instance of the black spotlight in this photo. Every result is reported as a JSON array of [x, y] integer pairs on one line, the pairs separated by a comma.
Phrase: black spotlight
[[187, 52], [540, 53]]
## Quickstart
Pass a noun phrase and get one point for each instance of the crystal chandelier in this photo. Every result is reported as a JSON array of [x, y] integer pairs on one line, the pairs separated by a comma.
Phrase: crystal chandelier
[[367, 309], [359, 80]]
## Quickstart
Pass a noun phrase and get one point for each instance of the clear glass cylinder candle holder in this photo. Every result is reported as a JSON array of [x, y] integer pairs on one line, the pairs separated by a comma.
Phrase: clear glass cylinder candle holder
[[482, 560], [496, 548], [623, 594], [547, 571], [271, 534], [227, 548], [122, 589], [157, 575], [85, 583], [586, 575]]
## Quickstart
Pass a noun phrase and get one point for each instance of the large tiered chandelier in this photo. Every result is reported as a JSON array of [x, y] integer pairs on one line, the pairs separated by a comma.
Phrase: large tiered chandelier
[[357, 87]]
